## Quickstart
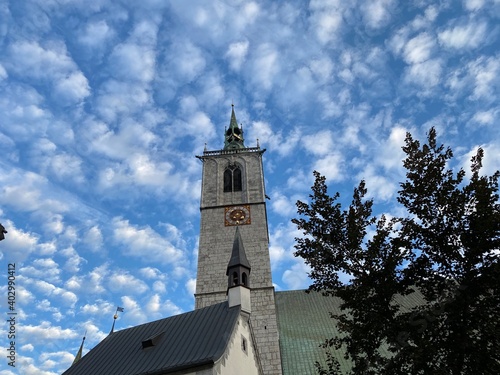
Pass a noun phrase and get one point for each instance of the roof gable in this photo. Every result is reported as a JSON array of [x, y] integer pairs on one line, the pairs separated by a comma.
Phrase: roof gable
[[183, 341]]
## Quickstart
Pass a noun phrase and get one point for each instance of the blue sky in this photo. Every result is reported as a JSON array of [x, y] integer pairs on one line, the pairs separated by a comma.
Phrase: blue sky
[[104, 105]]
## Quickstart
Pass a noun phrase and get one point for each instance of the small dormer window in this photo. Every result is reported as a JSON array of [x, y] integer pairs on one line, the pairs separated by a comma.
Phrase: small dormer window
[[232, 179], [153, 340]]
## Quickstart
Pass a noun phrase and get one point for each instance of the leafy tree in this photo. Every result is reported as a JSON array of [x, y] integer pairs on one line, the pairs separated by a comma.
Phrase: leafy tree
[[423, 295]]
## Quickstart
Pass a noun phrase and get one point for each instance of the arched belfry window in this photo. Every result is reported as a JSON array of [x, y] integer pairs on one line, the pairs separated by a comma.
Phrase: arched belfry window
[[232, 179], [244, 279], [236, 280]]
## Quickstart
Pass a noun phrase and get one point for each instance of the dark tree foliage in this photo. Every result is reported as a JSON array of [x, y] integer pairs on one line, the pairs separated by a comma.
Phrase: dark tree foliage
[[444, 251]]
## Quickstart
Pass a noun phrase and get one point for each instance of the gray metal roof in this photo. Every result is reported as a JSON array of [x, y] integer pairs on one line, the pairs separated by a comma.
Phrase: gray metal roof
[[193, 339]]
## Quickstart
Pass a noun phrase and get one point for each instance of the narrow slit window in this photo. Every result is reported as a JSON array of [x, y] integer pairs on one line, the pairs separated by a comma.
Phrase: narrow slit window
[[244, 345]]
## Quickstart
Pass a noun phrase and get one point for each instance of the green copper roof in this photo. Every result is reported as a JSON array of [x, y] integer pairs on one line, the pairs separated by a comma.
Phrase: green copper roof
[[304, 323], [233, 137]]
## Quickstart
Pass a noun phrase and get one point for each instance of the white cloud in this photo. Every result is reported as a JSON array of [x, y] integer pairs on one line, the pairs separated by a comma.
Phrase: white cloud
[[145, 172], [236, 54], [486, 75], [96, 33], [99, 307], [491, 160], [378, 185], [265, 66], [74, 261], [473, 5], [92, 283], [467, 36], [325, 19], [130, 139], [51, 359], [486, 117], [45, 332], [185, 61], [282, 205], [377, 13], [479, 79], [296, 277], [3, 72], [132, 62], [93, 238], [159, 287], [300, 84], [330, 166], [151, 273], [391, 153], [419, 49], [154, 304], [282, 143], [28, 192], [31, 59], [191, 286], [426, 74], [322, 68], [121, 281], [72, 88], [43, 268], [67, 167], [19, 245], [144, 243], [320, 143], [116, 98], [50, 62]]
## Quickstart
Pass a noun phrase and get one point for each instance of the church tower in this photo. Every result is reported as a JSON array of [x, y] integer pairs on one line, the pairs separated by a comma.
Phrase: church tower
[[233, 199]]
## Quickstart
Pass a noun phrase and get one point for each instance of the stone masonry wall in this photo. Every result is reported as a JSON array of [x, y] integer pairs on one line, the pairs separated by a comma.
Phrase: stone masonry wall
[[216, 241]]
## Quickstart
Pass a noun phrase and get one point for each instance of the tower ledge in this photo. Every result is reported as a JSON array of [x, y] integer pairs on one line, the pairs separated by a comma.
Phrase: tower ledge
[[234, 151]]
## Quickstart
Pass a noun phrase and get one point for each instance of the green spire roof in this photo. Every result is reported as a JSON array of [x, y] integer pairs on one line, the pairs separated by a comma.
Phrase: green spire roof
[[233, 137]]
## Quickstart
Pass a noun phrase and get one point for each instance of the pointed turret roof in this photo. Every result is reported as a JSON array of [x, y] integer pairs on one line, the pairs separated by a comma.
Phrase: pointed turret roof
[[233, 123], [238, 255], [233, 137], [80, 351]]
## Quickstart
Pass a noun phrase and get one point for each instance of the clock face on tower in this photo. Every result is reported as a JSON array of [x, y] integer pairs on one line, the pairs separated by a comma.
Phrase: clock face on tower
[[237, 215]]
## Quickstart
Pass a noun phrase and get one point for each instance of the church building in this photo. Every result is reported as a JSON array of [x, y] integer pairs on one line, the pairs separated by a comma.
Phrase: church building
[[240, 324]]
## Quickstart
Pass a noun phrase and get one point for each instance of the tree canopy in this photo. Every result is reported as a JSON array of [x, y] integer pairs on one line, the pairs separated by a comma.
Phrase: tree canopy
[[442, 252]]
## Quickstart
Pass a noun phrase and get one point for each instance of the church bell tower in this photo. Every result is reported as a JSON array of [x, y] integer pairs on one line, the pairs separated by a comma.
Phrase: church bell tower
[[233, 197]]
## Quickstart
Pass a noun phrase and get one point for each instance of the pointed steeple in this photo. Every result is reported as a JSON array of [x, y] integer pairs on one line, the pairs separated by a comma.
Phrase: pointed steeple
[[80, 351], [238, 255], [238, 272], [233, 138]]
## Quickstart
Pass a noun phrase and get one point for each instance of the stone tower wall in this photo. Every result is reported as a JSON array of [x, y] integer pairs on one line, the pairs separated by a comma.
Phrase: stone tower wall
[[216, 241]]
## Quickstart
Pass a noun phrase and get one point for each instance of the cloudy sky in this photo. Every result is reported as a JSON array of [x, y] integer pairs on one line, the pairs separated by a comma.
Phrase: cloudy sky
[[104, 105]]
